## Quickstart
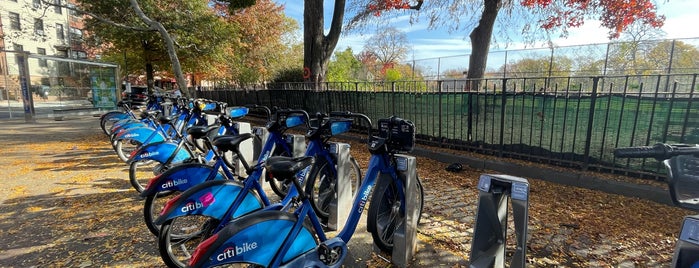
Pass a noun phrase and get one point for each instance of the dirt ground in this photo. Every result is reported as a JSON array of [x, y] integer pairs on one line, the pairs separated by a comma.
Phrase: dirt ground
[[65, 201]]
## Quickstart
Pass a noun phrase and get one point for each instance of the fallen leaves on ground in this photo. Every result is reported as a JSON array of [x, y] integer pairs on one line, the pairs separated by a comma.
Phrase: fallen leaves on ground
[[68, 203]]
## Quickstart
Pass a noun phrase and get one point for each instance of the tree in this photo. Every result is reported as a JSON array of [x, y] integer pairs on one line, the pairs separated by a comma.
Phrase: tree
[[344, 67], [389, 45], [144, 24], [259, 45], [549, 15], [318, 47]]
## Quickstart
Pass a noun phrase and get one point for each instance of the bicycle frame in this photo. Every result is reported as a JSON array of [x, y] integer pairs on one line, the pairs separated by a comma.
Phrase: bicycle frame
[[281, 244], [225, 203]]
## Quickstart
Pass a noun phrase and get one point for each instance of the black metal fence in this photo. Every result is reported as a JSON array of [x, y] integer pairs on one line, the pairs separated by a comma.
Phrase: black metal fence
[[567, 121]]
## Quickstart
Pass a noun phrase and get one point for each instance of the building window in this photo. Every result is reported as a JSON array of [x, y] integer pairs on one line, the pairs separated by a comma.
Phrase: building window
[[36, 3], [76, 34], [39, 26], [57, 8], [71, 10], [18, 47], [59, 32], [42, 62], [14, 21]]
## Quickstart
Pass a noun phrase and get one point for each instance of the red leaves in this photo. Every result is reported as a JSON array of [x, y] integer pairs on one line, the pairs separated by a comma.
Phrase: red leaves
[[615, 15], [382, 5]]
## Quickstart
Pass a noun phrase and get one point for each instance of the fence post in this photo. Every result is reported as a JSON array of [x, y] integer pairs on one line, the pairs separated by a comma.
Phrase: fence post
[[590, 121], [502, 117], [393, 97], [439, 122]]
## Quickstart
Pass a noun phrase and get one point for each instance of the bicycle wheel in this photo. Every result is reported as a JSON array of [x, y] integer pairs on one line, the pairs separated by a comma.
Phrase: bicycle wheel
[[322, 187], [385, 216], [152, 207], [124, 147], [278, 187], [108, 120], [180, 236], [140, 172]]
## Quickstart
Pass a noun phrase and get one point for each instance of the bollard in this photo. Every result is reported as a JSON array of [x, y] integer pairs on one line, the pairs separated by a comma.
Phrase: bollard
[[405, 236], [687, 248], [297, 144], [490, 232], [261, 134], [342, 204], [246, 148]]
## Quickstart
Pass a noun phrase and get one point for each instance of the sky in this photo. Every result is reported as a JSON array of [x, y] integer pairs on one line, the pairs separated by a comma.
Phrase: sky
[[681, 22]]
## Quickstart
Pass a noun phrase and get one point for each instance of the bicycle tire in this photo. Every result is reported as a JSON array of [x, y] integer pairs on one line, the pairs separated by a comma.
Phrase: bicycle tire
[[383, 218], [140, 172], [322, 187], [152, 207], [124, 147], [106, 124], [176, 249]]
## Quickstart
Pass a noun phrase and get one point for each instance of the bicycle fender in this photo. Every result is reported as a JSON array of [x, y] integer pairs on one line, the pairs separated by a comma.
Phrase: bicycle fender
[[180, 178], [212, 199], [141, 134], [114, 116], [161, 152], [254, 238], [126, 124]]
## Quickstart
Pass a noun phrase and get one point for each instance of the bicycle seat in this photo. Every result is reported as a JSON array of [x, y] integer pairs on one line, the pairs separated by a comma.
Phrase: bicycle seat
[[230, 143], [199, 132], [284, 168], [165, 119]]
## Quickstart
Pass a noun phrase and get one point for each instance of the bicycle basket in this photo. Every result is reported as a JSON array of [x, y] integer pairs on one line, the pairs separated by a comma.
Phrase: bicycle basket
[[237, 112], [339, 126], [399, 134]]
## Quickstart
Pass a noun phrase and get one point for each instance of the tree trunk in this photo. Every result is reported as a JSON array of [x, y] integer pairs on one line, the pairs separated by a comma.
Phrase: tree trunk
[[480, 39], [317, 47], [169, 43]]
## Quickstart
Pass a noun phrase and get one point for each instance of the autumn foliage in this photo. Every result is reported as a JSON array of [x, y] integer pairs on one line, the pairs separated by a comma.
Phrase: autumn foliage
[[615, 15]]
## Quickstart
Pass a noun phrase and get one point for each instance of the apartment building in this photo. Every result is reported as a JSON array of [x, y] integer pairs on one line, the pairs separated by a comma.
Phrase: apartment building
[[40, 29]]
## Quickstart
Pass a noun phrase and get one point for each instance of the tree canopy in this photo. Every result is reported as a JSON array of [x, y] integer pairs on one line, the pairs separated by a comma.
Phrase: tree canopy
[[480, 18]]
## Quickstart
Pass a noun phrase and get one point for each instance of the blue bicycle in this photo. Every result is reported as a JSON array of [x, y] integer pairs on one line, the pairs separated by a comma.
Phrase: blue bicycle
[[185, 176], [175, 251], [154, 158], [297, 239]]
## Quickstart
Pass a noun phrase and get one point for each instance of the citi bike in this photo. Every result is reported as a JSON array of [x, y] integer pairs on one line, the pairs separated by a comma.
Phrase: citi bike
[[154, 158], [219, 173], [175, 251], [682, 164], [298, 239], [128, 139]]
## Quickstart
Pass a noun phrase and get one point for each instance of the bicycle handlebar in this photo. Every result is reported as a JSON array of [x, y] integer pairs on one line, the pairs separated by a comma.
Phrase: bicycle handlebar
[[355, 115], [266, 109], [659, 151]]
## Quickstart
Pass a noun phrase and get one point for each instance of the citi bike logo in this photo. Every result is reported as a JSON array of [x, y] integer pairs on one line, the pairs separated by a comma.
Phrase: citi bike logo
[[365, 197], [131, 135], [265, 156], [173, 183], [204, 201], [149, 154], [234, 250]]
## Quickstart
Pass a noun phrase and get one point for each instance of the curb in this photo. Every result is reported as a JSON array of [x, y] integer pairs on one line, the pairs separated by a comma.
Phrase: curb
[[647, 192]]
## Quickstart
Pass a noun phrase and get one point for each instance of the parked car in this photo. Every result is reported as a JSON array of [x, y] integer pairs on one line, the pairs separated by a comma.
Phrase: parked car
[[137, 95]]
